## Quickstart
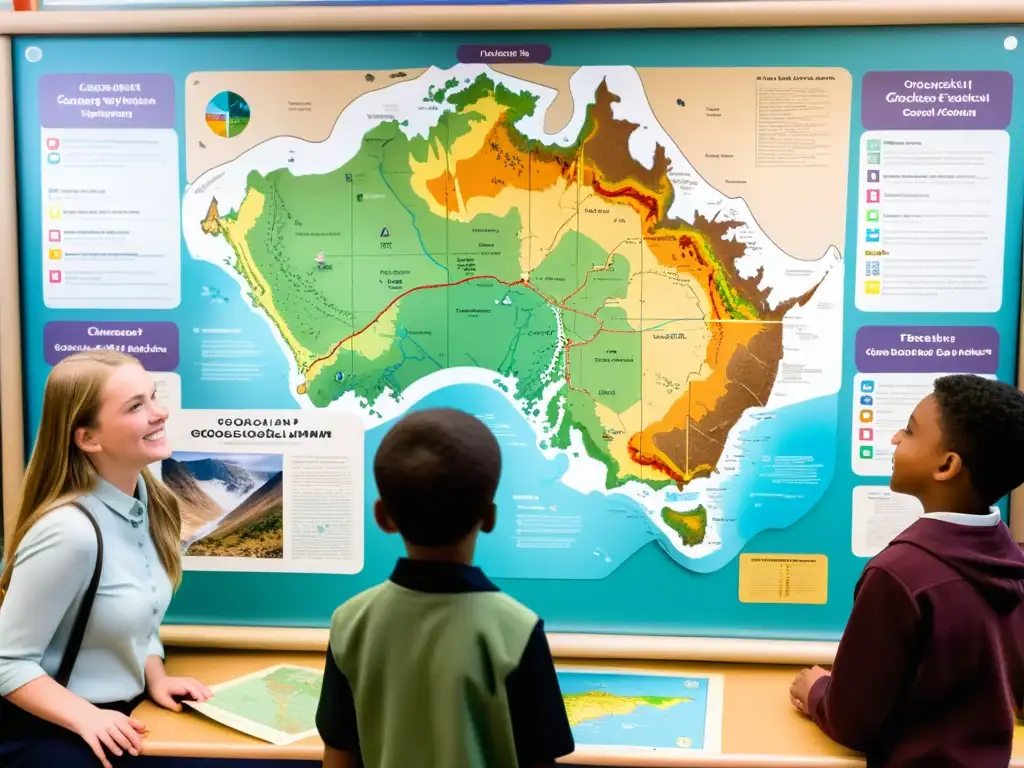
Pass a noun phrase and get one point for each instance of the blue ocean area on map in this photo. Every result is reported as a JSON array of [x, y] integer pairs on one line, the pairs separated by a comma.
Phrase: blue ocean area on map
[[767, 493], [600, 531]]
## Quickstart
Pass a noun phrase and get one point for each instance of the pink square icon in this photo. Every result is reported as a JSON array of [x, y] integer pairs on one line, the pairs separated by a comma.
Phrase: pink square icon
[[54, 235], [53, 143], [873, 195], [55, 276], [867, 434]]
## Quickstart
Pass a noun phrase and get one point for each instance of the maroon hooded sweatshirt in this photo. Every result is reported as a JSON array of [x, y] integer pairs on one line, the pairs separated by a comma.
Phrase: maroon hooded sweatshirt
[[930, 669]]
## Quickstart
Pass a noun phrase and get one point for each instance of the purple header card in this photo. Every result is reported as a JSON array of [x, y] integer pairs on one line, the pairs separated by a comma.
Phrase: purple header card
[[927, 349], [534, 53], [154, 344], [106, 101], [908, 101]]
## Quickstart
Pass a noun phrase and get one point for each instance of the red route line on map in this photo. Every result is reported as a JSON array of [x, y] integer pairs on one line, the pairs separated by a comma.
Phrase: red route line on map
[[398, 298], [401, 296]]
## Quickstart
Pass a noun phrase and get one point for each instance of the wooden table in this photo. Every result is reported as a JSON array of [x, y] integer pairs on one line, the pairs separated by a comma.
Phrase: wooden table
[[760, 728]]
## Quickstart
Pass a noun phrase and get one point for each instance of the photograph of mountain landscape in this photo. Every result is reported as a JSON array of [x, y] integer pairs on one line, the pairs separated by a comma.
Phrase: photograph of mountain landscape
[[232, 504]]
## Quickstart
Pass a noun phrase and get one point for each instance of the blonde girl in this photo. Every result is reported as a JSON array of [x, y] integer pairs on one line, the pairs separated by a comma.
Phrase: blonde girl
[[101, 427]]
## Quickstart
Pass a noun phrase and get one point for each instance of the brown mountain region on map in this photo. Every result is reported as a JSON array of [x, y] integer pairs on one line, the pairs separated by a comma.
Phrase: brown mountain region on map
[[610, 169], [728, 252], [608, 148]]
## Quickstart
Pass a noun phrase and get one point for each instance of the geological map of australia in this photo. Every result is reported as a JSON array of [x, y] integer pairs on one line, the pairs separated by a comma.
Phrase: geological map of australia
[[645, 263]]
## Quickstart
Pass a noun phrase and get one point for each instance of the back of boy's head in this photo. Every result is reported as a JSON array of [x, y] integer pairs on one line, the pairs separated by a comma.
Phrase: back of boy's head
[[983, 422], [437, 471]]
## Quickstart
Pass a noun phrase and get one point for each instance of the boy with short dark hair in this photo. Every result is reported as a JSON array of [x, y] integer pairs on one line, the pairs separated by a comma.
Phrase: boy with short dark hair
[[930, 669], [435, 667]]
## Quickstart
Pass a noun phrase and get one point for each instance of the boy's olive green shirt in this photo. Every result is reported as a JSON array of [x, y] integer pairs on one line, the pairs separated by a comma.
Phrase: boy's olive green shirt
[[436, 668]]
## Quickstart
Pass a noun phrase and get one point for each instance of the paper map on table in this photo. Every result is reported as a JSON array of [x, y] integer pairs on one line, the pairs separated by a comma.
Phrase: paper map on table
[[620, 712], [276, 704]]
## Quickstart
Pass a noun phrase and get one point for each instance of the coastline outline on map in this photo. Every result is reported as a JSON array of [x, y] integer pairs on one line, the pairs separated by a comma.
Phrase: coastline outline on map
[[756, 309]]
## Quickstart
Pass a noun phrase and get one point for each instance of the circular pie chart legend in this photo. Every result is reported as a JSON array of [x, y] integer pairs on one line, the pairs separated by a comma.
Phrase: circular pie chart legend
[[227, 114]]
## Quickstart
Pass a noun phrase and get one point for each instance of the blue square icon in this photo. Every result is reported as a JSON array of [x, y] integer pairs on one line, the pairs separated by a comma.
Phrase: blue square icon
[[867, 400], [872, 235], [53, 158], [867, 386]]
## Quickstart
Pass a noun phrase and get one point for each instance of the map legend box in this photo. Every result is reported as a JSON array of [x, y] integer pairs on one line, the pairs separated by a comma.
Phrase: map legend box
[[111, 195], [897, 366], [783, 578], [119, 239], [933, 220]]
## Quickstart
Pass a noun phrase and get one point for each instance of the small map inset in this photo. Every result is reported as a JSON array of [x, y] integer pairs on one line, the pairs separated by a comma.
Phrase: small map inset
[[227, 114]]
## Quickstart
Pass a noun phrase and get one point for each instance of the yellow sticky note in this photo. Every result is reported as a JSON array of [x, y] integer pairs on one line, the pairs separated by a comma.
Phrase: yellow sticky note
[[55, 254], [797, 579], [54, 211]]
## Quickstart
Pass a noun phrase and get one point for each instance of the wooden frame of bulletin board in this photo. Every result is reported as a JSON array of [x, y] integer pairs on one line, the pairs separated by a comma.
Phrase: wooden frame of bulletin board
[[708, 14]]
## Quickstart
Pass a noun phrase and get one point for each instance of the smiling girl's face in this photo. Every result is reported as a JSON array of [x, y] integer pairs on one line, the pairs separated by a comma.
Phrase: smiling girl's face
[[129, 428]]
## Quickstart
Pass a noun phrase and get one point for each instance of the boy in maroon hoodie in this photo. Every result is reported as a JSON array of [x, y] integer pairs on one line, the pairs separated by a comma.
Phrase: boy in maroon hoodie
[[930, 669]]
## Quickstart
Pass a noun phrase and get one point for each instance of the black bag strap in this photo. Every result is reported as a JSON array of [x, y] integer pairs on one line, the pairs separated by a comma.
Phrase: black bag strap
[[82, 619]]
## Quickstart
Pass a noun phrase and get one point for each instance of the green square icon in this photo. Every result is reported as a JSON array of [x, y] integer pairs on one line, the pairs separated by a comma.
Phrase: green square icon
[[871, 214], [874, 145], [867, 452]]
